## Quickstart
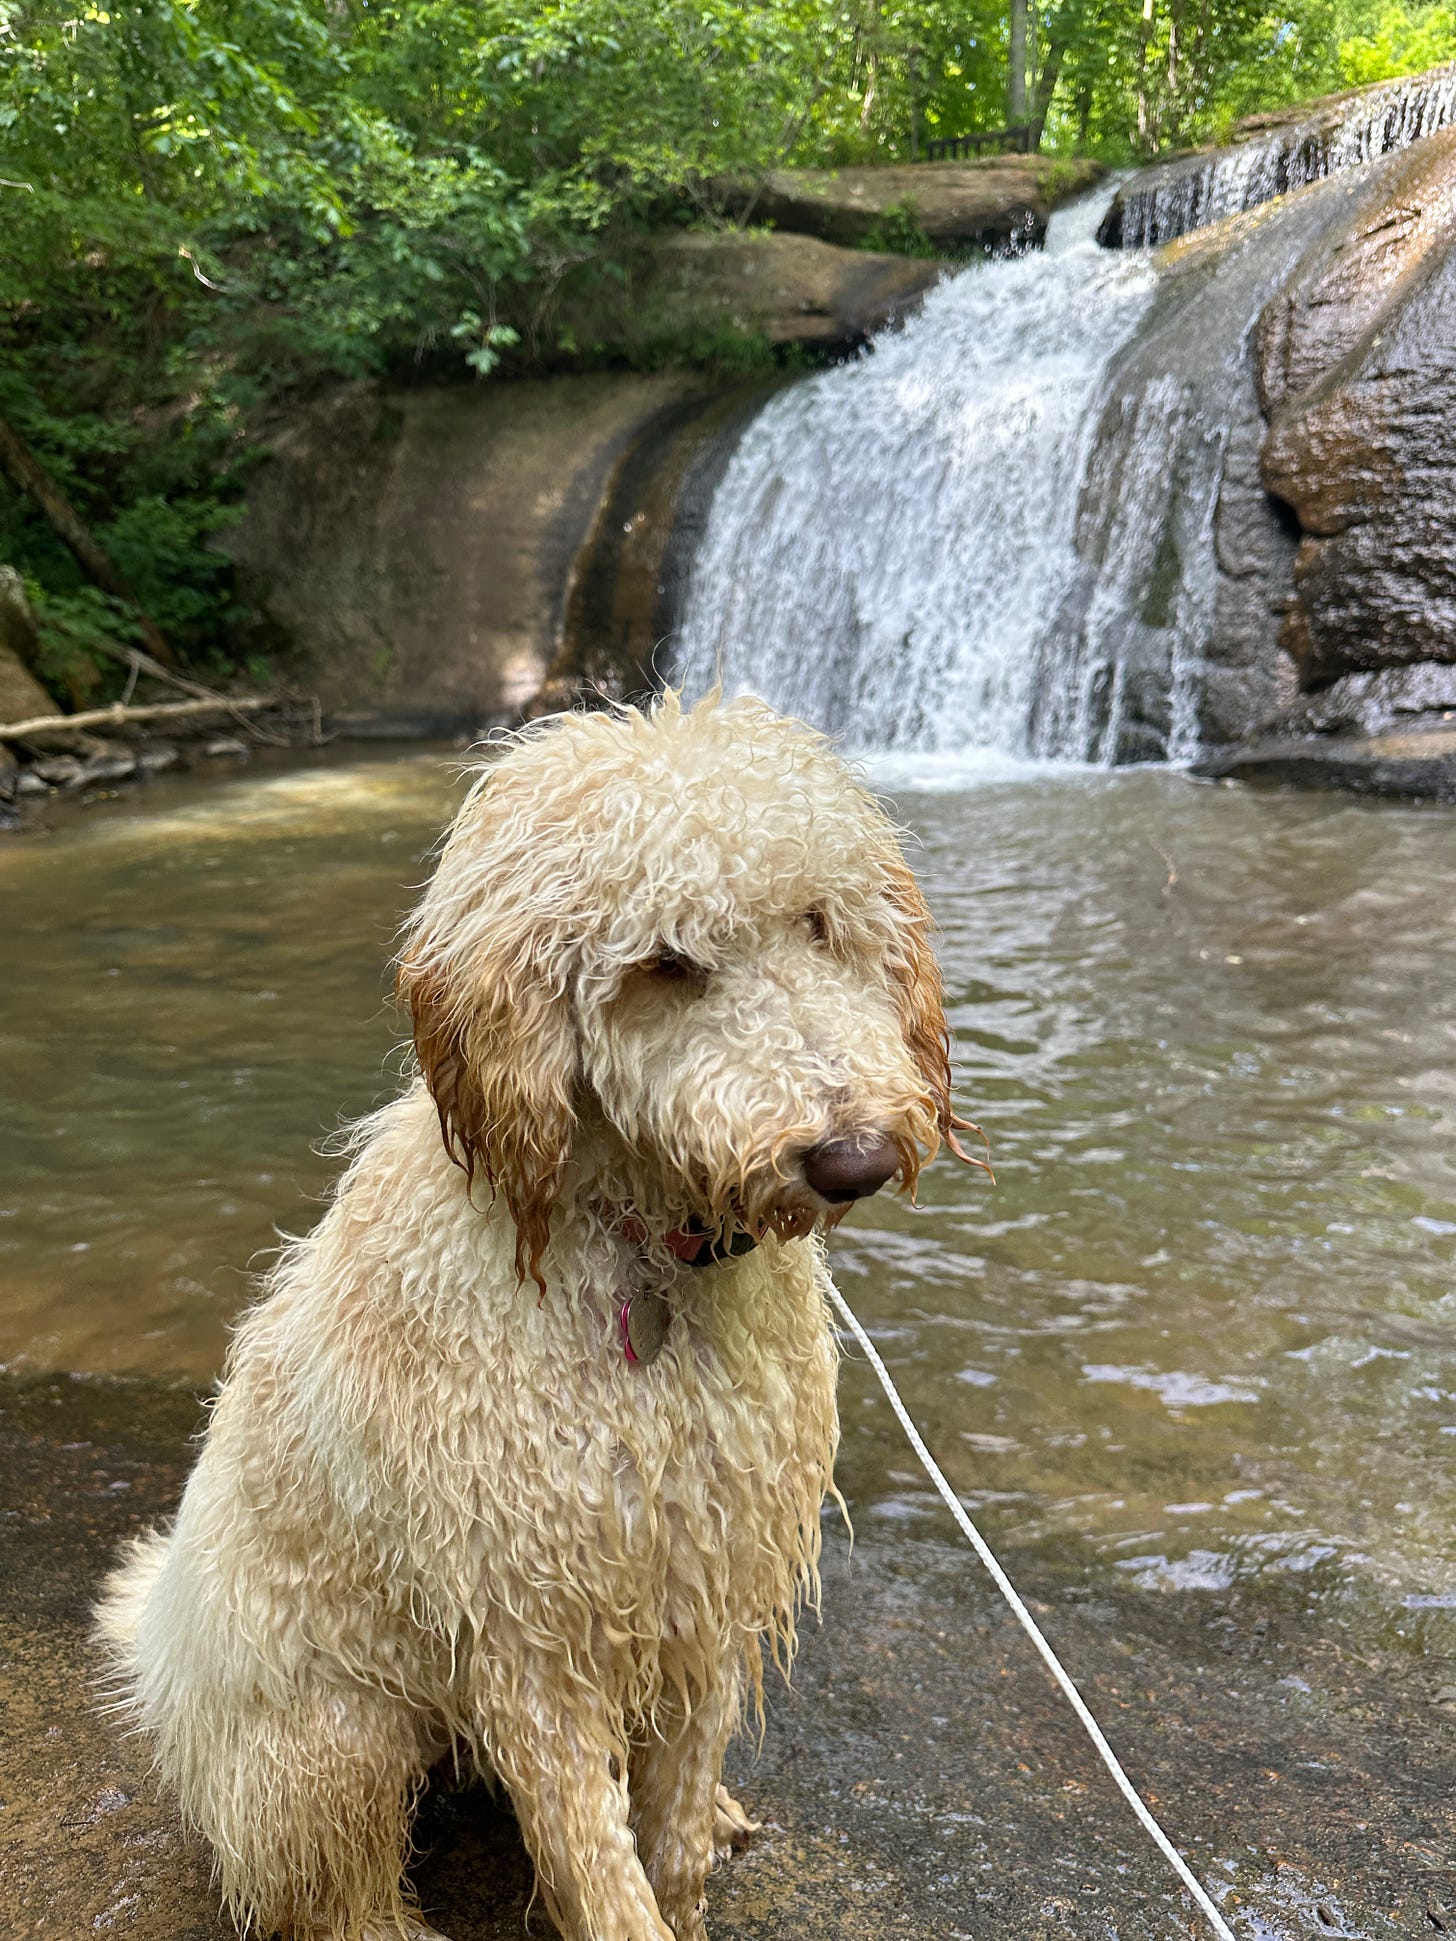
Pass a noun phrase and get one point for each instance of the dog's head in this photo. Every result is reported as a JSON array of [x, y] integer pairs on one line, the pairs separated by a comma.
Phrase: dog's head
[[677, 960]]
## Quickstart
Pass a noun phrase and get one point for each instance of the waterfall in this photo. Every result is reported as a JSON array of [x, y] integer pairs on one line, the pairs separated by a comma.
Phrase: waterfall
[[892, 544], [1167, 201]]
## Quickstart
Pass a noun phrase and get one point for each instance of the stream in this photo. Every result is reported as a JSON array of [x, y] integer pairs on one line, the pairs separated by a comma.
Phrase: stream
[[1198, 1333]]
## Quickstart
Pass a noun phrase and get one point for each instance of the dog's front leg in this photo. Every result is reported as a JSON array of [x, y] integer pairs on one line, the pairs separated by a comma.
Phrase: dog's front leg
[[567, 1776], [674, 1782]]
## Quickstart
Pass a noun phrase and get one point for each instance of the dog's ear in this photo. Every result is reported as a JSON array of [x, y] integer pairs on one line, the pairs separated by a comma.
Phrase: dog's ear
[[918, 990], [497, 1050]]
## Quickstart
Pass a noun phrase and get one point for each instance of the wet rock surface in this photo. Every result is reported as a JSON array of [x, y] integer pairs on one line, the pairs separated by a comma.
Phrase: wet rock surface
[[1313, 450], [1416, 765], [21, 694], [1272, 153], [789, 289], [1374, 703], [1177, 537], [629, 581], [1000, 202], [1357, 366], [922, 1779], [413, 551]]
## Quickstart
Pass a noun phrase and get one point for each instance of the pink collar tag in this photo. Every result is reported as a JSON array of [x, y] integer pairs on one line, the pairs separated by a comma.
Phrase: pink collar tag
[[643, 1320]]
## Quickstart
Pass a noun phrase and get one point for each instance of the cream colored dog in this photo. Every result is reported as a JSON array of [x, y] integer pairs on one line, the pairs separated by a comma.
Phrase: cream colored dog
[[525, 1449]]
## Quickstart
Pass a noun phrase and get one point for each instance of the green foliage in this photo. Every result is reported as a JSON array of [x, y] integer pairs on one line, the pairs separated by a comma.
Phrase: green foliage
[[1130, 84], [900, 231], [207, 202], [76, 629], [1380, 42], [725, 348]]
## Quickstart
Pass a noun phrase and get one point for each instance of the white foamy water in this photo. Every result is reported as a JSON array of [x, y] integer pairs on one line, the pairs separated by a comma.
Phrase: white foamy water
[[1236, 179], [892, 539], [893, 551]]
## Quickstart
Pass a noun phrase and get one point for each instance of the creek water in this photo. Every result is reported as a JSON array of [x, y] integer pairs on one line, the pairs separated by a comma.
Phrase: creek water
[[1201, 1328]]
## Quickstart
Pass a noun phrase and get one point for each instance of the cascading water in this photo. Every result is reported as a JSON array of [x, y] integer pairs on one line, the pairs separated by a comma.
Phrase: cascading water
[[1034, 522], [1167, 202], [892, 539]]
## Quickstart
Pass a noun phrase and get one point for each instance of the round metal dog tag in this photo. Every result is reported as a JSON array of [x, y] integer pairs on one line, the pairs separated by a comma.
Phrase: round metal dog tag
[[644, 1326]]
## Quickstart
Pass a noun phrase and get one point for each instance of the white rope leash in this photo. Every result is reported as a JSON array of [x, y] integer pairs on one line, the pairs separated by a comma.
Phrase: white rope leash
[[1029, 1624]]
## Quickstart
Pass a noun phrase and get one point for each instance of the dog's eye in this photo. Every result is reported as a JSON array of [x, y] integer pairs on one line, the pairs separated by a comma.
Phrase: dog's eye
[[818, 926], [670, 967]]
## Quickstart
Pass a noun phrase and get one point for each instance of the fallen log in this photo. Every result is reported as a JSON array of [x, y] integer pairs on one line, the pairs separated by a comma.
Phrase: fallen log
[[133, 657], [41, 726]]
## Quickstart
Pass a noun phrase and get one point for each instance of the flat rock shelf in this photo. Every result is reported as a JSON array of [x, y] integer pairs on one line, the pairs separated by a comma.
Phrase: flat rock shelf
[[920, 1779]]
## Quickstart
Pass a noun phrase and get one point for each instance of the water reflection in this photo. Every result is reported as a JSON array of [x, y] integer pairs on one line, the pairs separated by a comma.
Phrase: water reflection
[[194, 992], [1206, 1315], [1204, 1320]]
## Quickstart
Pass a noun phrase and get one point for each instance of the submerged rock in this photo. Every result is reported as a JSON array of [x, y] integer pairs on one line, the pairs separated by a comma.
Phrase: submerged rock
[[923, 1780], [999, 203]]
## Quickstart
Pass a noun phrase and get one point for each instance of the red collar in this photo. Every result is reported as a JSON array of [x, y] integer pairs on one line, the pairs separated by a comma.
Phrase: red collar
[[692, 1244]]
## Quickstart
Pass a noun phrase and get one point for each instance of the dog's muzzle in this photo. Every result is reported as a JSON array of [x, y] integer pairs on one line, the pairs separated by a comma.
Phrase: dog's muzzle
[[844, 1170]]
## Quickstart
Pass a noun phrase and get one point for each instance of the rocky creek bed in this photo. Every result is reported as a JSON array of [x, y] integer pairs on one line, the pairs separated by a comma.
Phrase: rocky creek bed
[[920, 1779]]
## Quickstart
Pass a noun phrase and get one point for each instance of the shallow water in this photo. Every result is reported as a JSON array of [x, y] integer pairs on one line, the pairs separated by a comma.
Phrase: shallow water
[[1202, 1326]]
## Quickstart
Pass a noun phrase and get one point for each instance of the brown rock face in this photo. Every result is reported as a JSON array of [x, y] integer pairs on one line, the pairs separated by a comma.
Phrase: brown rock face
[[997, 203], [21, 694], [1357, 375], [630, 579], [414, 551], [790, 289]]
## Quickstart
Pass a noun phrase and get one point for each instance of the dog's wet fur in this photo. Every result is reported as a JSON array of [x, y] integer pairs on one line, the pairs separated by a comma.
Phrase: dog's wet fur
[[668, 957]]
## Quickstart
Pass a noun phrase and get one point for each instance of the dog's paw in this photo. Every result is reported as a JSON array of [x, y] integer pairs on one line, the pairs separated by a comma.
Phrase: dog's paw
[[732, 1828]]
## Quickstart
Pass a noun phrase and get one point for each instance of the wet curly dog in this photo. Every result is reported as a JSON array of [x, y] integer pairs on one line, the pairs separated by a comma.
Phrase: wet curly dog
[[525, 1449]]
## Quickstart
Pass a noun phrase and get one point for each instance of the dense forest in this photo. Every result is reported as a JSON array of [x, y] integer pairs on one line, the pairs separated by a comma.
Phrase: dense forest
[[209, 202]]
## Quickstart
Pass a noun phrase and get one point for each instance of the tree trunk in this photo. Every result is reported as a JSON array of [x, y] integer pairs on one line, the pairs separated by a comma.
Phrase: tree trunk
[[868, 25], [30, 477], [1046, 87], [1016, 68], [1146, 132]]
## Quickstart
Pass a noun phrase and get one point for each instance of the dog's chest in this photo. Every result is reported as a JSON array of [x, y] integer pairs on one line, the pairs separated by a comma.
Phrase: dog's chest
[[676, 1497], [712, 1478], [543, 1492]]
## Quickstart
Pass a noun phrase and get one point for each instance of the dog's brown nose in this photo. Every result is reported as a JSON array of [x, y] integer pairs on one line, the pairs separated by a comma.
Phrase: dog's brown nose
[[850, 1169]]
